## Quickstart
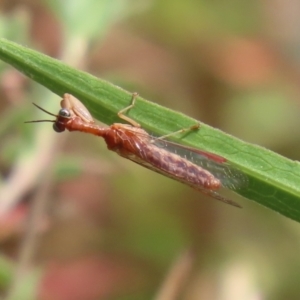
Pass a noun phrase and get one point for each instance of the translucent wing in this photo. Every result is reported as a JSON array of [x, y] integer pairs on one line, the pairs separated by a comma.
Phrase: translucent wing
[[229, 176]]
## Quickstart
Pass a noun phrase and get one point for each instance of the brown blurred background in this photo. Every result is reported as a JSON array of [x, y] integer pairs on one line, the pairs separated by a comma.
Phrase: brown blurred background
[[83, 223]]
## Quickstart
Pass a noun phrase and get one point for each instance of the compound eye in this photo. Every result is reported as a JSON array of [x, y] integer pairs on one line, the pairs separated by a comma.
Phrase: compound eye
[[57, 128], [64, 113]]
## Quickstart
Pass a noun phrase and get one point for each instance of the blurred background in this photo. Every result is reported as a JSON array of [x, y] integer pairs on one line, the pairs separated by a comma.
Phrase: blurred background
[[82, 223]]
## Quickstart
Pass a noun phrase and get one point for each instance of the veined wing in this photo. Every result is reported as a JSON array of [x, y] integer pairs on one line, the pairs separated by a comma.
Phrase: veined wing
[[218, 166], [177, 175]]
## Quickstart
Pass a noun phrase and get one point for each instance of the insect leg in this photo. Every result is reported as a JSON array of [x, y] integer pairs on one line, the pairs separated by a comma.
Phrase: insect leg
[[124, 110], [193, 127]]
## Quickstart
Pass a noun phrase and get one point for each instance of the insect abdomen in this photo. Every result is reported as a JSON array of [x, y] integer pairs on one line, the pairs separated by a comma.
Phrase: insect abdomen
[[178, 167]]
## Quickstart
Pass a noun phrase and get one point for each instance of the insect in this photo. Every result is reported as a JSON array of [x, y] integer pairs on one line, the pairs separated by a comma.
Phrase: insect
[[201, 170]]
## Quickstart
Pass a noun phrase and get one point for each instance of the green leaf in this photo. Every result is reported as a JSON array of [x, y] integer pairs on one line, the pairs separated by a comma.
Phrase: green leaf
[[273, 179]]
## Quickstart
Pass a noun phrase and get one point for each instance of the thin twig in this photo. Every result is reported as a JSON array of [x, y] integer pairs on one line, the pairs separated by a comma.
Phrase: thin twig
[[176, 279]]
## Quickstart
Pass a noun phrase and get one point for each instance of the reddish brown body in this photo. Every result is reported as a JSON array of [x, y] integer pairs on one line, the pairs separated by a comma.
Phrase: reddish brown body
[[134, 143]]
